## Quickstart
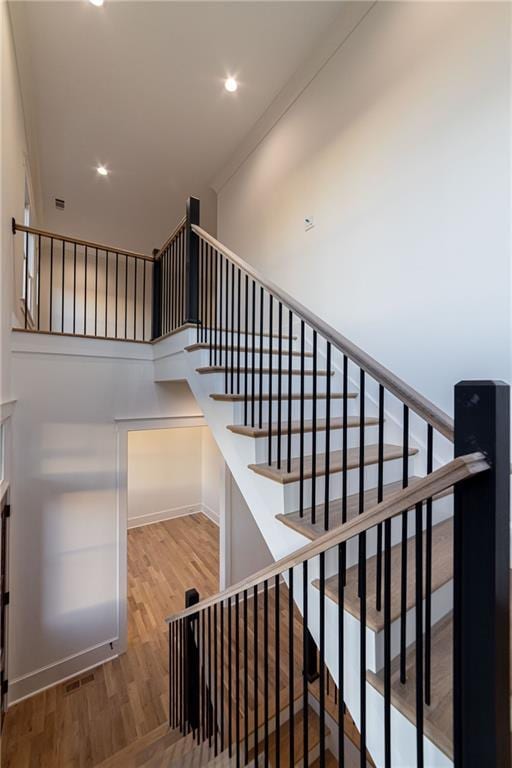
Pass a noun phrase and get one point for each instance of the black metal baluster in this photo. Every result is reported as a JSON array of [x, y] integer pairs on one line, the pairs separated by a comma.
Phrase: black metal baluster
[[403, 591], [327, 437], [135, 298], [260, 411], [301, 460], [271, 327], [230, 682], [277, 680], [39, 283], [361, 466], [253, 395], [171, 675], [237, 678], [238, 332], [246, 337], [63, 285], [428, 575], [232, 371], [387, 644], [419, 634], [51, 282], [313, 432], [85, 290], [125, 296], [106, 293], [216, 314], [341, 657], [222, 661], [74, 288], [215, 681], [221, 307], [96, 294], [362, 647], [204, 712], [117, 283], [210, 688], [226, 337], [246, 681], [279, 382], [344, 475], [380, 492], [291, 668], [289, 415], [305, 661], [265, 673], [322, 658], [256, 651], [144, 263]]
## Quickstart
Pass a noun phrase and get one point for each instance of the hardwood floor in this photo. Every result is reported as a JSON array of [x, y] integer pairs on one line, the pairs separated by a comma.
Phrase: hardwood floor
[[79, 727]]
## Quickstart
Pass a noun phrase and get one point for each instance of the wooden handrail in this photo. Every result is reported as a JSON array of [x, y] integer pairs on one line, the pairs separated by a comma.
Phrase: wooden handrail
[[89, 243], [453, 472], [416, 402], [171, 237]]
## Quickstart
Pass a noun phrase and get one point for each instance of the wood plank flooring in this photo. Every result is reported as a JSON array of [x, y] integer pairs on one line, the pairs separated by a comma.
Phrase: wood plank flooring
[[126, 698]]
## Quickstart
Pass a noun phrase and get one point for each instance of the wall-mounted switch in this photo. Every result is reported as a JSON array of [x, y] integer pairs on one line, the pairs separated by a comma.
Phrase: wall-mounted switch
[[309, 223]]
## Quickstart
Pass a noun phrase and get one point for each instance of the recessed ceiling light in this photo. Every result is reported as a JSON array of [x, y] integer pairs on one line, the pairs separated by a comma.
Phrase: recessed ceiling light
[[102, 170], [97, 2], [230, 84]]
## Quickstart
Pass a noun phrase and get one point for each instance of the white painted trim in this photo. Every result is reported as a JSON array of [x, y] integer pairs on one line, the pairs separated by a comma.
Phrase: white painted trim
[[7, 410], [340, 30], [166, 514], [225, 531], [124, 426], [210, 513], [53, 674], [76, 346]]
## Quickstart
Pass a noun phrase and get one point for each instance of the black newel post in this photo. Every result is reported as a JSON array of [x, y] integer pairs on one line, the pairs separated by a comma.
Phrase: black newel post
[[192, 263], [481, 579], [191, 687], [156, 320]]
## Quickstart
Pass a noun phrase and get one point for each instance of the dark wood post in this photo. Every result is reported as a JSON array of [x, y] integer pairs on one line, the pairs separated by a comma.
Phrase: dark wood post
[[192, 262], [191, 688], [156, 320], [481, 659]]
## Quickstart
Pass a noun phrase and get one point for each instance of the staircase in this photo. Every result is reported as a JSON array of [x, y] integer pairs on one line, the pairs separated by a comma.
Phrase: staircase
[[379, 637]]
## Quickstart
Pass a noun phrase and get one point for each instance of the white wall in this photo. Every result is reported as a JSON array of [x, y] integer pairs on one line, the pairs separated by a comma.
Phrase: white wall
[[14, 165], [65, 520], [400, 149], [164, 473], [212, 476], [248, 551]]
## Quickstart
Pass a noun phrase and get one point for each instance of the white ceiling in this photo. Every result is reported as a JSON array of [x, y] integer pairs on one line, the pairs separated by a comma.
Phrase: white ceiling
[[138, 86]]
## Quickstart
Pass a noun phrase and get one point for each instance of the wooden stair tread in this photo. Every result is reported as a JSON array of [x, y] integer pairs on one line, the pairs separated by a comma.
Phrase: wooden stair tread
[[143, 749], [438, 717], [371, 456], [266, 334], [240, 397], [284, 372], [330, 761], [442, 573], [265, 351], [284, 738], [321, 424], [306, 527]]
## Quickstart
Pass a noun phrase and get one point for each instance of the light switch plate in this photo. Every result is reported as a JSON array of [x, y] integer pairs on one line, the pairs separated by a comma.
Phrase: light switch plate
[[309, 223]]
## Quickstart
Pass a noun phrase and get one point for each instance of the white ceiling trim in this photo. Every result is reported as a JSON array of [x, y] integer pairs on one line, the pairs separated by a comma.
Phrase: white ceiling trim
[[351, 15]]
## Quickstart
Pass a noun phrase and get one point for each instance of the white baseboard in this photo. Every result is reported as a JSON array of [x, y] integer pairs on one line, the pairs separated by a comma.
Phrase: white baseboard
[[46, 677], [210, 513], [169, 514], [165, 514]]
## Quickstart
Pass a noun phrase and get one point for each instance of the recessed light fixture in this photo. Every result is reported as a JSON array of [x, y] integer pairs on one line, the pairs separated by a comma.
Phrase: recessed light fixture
[[97, 3], [230, 84], [102, 170]]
